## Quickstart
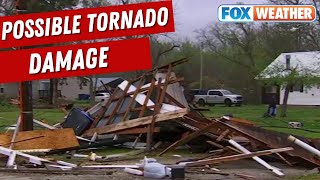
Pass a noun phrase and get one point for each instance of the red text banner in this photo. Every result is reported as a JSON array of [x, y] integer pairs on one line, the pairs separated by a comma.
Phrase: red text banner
[[85, 24], [75, 60]]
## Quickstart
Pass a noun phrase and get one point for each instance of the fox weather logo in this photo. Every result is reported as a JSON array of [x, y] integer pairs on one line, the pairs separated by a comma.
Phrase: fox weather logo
[[273, 13]]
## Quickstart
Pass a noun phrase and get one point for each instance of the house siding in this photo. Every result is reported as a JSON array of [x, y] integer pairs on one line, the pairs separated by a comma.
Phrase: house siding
[[35, 89], [11, 90], [71, 90], [309, 97]]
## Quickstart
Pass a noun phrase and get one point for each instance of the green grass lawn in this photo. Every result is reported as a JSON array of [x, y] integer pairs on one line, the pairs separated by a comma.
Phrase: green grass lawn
[[10, 113], [10, 116], [310, 116], [308, 177]]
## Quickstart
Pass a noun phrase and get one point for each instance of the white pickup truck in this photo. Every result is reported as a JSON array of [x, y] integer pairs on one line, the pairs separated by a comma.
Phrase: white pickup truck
[[216, 96]]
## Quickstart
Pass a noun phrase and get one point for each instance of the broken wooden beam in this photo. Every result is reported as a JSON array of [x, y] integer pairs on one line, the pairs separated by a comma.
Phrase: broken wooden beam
[[136, 122], [156, 111], [32, 159], [256, 158], [137, 131], [223, 134], [271, 139], [236, 157], [189, 137]]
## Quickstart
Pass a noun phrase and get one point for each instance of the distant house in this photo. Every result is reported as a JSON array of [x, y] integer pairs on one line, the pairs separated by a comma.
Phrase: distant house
[[300, 94], [71, 88], [68, 88]]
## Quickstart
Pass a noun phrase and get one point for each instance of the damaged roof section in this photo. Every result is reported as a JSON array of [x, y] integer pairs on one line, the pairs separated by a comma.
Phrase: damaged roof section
[[153, 97]]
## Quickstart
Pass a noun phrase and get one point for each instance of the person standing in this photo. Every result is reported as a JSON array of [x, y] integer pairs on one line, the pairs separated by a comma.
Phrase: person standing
[[272, 108]]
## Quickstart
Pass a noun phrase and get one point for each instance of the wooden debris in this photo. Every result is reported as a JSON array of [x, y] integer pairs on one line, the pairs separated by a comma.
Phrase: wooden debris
[[283, 159], [245, 176], [155, 112], [47, 171], [259, 160], [16, 130], [189, 137], [136, 122], [32, 159], [235, 157], [41, 139], [215, 144], [117, 157], [271, 139], [137, 131], [191, 171], [138, 105], [222, 135]]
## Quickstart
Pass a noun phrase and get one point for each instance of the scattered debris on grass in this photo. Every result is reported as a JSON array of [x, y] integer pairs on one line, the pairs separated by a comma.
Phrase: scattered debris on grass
[[150, 114]]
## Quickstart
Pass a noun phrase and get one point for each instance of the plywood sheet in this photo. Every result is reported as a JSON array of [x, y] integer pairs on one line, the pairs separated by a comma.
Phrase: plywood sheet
[[41, 139]]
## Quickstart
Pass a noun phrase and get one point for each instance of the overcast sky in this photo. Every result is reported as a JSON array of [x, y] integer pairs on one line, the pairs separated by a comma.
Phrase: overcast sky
[[194, 14]]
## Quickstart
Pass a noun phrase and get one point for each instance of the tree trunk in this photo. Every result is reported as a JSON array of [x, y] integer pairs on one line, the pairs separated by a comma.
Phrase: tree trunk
[[50, 100], [257, 91], [284, 106], [54, 91]]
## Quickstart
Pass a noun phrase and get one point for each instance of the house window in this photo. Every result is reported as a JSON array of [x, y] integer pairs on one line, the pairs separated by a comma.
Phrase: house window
[[288, 57], [296, 88], [1, 90], [44, 85]]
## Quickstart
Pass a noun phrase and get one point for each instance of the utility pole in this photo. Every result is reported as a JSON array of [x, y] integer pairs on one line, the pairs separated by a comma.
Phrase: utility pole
[[201, 67], [25, 88]]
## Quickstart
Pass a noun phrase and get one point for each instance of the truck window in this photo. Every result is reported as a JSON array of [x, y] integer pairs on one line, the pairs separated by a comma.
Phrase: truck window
[[202, 92], [215, 93]]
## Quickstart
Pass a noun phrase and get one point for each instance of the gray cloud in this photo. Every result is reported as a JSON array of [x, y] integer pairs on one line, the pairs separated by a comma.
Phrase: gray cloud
[[195, 14]]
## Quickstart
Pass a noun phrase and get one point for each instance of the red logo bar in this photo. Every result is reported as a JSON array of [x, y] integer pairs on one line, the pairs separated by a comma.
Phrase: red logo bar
[[75, 60]]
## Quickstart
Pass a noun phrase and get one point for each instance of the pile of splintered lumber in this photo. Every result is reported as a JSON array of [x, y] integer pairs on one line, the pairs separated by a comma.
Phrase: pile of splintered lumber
[[137, 106]]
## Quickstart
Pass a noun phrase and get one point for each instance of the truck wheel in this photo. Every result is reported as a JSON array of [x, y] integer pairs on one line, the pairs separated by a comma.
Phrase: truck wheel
[[201, 102], [228, 102]]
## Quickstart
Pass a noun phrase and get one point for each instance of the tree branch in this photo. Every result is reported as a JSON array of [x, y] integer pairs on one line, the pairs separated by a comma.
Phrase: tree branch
[[168, 50]]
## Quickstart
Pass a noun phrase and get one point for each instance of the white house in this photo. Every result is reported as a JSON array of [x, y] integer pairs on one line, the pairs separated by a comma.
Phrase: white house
[[305, 63], [69, 88]]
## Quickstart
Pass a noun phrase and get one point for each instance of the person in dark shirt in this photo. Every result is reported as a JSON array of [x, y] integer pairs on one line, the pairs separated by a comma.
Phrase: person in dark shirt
[[272, 108]]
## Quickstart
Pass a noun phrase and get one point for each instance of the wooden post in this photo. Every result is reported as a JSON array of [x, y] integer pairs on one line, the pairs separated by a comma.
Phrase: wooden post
[[25, 92], [160, 98], [156, 111], [133, 99]]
